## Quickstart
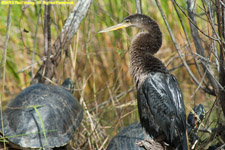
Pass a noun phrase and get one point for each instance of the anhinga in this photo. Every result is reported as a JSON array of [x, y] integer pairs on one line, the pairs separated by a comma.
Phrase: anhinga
[[160, 101]]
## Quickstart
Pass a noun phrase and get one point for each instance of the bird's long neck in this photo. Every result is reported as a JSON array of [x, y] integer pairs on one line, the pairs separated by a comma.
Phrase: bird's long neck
[[142, 49]]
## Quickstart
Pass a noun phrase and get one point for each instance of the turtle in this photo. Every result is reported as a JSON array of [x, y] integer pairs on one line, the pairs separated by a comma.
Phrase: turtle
[[129, 137], [42, 116]]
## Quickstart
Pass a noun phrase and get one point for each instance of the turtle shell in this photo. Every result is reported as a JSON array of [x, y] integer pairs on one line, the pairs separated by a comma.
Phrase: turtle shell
[[42, 116], [127, 138]]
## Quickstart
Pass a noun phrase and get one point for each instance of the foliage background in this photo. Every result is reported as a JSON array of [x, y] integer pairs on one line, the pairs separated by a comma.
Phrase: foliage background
[[97, 63]]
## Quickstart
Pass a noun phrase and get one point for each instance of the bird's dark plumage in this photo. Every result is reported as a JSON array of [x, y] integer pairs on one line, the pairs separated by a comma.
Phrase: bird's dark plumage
[[161, 108], [160, 102]]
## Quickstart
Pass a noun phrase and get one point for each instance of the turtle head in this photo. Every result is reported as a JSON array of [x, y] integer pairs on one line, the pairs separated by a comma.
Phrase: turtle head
[[68, 85]]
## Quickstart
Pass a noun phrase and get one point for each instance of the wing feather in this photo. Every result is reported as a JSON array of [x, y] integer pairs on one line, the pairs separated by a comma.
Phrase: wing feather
[[161, 107]]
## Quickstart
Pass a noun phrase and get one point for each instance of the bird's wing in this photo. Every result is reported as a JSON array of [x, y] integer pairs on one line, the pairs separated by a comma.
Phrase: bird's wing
[[161, 107]]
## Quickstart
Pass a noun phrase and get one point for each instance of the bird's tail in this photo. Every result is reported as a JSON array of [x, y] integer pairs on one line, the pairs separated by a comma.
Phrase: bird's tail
[[185, 143]]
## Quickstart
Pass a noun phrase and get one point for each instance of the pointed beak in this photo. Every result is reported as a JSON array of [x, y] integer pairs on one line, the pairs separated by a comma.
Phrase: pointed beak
[[116, 27]]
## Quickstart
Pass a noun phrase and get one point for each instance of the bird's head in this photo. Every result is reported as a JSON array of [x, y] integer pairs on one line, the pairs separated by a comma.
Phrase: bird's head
[[68, 85], [136, 20]]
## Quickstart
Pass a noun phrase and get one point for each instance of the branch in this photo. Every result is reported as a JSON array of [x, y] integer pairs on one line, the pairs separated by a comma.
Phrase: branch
[[34, 42], [63, 40], [139, 6], [221, 59], [47, 43]]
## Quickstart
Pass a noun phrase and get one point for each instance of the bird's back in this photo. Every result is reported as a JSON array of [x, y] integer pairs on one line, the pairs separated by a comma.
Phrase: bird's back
[[161, 108]]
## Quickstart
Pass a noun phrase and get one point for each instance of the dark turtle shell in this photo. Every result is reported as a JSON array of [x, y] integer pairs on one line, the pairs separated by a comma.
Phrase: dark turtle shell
[[42, 116], [127, 138]]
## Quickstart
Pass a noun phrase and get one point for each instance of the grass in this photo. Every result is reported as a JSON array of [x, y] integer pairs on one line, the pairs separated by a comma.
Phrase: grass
[[98, 63]]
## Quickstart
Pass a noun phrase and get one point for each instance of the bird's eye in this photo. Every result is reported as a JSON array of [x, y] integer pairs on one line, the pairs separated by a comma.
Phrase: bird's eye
[[126, 21]]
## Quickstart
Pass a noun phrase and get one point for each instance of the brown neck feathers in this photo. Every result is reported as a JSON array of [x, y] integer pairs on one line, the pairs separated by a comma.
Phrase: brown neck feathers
[[143, 47]]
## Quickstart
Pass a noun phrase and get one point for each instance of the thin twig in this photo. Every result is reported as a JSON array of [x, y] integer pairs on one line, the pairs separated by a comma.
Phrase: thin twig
[[3, 65], [34, 43], [33, 64], [203, 78], [116, 97]]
